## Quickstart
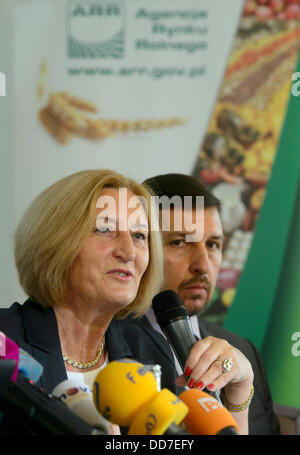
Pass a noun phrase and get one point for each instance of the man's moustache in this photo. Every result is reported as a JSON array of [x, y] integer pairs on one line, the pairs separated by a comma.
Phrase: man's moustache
[[199, 280]]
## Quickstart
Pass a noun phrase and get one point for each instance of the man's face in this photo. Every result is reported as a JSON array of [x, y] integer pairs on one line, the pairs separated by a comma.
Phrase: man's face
[[191, 268]]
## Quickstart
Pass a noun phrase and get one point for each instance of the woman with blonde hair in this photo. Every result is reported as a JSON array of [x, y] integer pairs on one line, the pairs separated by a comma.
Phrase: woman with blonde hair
[[87, 259]]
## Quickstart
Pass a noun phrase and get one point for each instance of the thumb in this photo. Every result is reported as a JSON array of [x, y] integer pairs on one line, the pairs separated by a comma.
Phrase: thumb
[[114, 429]]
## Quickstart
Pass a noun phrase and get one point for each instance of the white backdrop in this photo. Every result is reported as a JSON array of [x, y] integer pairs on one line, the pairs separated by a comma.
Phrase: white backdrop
[[135, 60]]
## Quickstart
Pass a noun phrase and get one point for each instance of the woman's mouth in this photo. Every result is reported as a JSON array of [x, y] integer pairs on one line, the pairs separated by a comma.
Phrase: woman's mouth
[[121, 274]]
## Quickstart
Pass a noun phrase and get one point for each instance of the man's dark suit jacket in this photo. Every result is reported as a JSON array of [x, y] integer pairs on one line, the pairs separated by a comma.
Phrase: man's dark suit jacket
[[262, 419], [34, 328]]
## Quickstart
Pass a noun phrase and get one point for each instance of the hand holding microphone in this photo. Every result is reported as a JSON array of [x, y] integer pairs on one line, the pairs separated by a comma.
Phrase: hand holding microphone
[[211, 362]]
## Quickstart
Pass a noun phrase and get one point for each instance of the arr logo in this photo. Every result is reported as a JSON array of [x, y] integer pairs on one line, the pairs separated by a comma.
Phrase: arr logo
[[2, 84], [95, 29]]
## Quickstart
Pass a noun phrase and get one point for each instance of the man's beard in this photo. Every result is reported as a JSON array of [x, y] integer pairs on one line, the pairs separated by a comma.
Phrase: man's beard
[[196, 311], [196, 280]]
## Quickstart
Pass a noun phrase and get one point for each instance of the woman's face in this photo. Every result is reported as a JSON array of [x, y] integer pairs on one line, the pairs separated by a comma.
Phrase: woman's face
[[111, 263]]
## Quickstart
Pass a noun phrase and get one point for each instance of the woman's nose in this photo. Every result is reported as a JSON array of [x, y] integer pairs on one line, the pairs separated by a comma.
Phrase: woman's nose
[[125, 249]]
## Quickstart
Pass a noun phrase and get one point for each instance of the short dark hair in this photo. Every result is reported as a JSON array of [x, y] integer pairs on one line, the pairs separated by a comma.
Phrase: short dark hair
[[182, 185]]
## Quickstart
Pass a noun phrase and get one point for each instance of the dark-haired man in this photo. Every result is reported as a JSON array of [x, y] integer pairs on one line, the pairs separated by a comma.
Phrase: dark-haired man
[[191, 269]]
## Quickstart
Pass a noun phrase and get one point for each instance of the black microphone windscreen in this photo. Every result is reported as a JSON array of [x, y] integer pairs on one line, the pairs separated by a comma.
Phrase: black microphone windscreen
[[168, 306]]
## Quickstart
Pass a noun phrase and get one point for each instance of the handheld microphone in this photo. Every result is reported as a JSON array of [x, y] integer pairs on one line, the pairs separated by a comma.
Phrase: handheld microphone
[[126, 392], [79, 398], [206, 415], [173, 319]]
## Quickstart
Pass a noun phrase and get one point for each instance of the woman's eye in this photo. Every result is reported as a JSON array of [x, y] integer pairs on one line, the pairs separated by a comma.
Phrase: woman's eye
[[139, 236], [177, 243]]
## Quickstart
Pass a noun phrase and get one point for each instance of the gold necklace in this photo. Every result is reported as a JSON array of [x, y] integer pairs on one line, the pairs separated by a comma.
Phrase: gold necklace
[[83, 365]]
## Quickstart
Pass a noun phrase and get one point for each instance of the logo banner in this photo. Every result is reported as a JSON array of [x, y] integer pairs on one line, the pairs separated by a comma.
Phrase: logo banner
[[237, 157]]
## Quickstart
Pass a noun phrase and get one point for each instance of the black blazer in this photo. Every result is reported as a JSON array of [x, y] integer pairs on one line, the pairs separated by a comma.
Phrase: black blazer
[[262, 419], [34, 328]]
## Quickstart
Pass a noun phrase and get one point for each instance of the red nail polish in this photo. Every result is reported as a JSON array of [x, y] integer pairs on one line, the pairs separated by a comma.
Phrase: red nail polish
[[199, 385], [191, 383], [210, 386], [188, 371]]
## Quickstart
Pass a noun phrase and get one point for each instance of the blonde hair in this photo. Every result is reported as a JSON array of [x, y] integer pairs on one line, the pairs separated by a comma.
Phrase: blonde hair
[[57, 224]]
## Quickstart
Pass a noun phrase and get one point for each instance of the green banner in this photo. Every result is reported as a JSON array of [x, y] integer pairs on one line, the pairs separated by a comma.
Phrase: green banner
[[248, 162], [281, 348], [258, 286]]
